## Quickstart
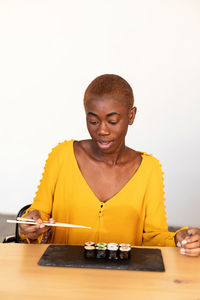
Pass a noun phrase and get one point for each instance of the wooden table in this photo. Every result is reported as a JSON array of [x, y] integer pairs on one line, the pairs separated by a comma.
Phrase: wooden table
[[22, 278]]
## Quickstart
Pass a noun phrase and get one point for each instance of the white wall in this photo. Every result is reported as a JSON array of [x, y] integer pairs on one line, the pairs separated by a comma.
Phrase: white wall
[[49, 53]]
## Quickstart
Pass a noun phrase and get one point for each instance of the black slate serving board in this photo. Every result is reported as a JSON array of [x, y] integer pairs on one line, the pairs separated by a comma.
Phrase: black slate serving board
[[141, 259]]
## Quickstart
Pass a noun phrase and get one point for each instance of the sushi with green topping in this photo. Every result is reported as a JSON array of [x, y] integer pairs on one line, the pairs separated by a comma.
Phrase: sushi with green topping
[[101, 245], [100, 251]]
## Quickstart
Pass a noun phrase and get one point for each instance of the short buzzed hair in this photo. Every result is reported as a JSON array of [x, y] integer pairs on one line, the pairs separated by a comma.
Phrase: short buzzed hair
[[110, 84]]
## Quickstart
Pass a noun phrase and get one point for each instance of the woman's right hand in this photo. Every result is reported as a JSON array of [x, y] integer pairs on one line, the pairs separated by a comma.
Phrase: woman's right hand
[[32, 232]]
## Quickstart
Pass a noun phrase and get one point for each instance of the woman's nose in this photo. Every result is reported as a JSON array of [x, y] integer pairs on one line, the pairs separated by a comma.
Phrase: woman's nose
[[103, 129]]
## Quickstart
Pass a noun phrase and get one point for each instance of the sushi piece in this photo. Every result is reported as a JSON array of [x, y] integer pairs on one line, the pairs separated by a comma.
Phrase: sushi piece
[[124, 245], [112, 251], [124, 252], [112, 244], [89, 251], [101, 245], [101, 251], [89, 243]]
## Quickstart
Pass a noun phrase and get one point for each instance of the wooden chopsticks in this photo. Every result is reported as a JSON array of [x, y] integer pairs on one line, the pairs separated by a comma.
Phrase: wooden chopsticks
[[46, 223]]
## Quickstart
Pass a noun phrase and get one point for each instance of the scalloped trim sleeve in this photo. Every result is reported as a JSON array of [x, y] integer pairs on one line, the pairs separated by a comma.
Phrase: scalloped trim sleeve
[[155, 231], [44, 198]]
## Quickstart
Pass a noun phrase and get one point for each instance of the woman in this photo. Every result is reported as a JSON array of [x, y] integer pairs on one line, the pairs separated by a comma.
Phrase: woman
[[103, 184]]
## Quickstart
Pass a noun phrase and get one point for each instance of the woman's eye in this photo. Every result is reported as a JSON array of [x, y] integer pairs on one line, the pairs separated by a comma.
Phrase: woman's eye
[[93, 122], [113, 122]]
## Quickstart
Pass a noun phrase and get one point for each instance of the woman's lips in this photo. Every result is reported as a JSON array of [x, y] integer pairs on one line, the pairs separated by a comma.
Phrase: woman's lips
[[104, 144]]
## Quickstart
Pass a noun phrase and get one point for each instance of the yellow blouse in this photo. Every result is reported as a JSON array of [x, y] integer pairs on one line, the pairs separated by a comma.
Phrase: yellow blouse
[[135, 215]]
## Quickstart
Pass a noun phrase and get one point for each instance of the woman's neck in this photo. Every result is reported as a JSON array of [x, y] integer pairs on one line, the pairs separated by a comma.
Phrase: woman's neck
[[112, 158]]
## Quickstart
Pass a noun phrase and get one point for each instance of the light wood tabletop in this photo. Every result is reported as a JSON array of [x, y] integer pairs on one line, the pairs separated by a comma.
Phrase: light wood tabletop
[[22, 278]]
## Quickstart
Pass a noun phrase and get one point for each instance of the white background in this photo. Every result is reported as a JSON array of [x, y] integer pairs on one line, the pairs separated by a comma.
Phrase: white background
[[49, 53]]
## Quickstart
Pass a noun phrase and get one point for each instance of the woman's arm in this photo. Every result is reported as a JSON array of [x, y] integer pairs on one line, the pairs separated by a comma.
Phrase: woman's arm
[[41, 209], [155, 226]]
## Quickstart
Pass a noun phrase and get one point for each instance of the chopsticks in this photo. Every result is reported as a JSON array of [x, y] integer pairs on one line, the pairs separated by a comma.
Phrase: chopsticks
[[57, 224]]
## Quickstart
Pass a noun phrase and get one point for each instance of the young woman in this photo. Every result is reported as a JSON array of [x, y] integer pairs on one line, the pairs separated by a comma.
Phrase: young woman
[[104, 184]]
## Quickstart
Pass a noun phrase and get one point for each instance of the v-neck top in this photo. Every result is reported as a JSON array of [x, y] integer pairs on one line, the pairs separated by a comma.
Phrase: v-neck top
[[135, 215]]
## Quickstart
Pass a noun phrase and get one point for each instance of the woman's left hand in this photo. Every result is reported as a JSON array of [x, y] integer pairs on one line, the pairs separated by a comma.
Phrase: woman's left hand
[[189, 241]]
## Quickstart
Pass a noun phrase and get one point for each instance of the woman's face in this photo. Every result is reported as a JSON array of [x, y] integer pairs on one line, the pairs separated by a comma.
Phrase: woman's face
[[107, 122]]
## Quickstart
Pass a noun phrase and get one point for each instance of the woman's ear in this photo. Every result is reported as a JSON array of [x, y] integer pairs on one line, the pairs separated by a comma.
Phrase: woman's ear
[[132, 114]]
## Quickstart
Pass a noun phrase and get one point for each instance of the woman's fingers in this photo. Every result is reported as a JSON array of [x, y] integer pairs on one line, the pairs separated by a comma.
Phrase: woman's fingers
[[34, 215], [180, 236], [33, 236], [190, 252], [194, 236], [36, 228], [190, 240], [193, 231], [34, 231], [185, 236], [190, 245], [195, 244], [52, 221]]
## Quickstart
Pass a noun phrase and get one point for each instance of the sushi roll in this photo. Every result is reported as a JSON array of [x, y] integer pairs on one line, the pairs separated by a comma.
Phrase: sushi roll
[[112, 244], [101, 245], [89, 251], [124, 252], [89, 243], [100, 251], [124, 245], [112, 251]]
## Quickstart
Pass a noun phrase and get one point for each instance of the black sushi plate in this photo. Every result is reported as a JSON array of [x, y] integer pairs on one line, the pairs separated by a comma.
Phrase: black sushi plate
[[141, 259]]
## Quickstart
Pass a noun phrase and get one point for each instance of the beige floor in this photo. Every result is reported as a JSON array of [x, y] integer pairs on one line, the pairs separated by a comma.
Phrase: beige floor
[[6, 229]]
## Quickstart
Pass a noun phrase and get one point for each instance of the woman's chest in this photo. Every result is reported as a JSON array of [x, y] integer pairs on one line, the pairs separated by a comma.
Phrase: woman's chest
[[106, 181]]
